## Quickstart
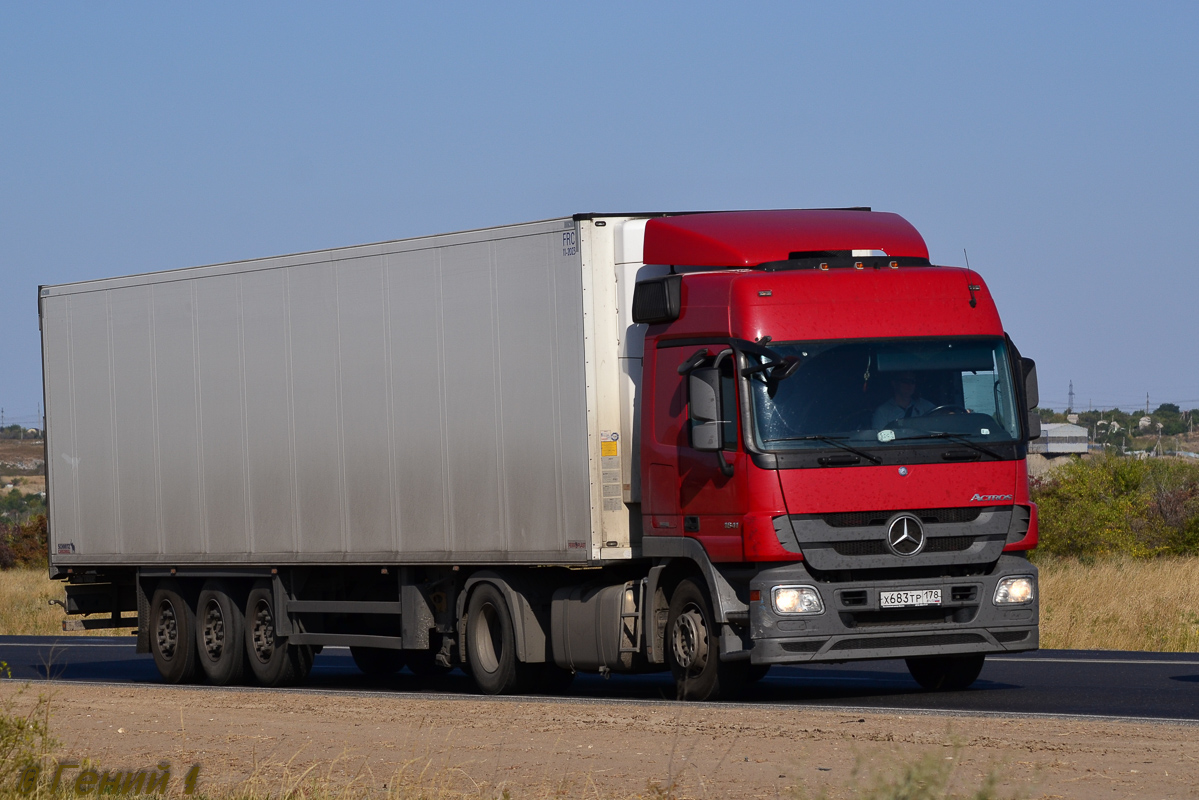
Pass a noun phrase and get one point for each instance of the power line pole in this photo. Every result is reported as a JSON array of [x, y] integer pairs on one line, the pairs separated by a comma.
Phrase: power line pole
[[1070, 405]]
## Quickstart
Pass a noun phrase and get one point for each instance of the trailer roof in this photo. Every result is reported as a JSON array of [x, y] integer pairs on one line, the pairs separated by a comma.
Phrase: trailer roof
[[750, 238]]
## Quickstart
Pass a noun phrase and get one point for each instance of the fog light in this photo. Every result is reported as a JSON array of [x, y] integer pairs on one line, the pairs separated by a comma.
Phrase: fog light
[[796, 600], [1015, 591]]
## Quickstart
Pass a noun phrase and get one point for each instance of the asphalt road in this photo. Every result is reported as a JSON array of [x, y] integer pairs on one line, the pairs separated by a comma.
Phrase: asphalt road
[[1161, 686]]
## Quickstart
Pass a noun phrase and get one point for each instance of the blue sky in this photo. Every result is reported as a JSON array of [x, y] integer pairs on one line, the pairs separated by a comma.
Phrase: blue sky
[[1056, 143]]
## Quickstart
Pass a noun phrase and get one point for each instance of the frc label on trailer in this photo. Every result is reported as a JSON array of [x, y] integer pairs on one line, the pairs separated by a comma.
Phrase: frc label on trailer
[[570, 243]]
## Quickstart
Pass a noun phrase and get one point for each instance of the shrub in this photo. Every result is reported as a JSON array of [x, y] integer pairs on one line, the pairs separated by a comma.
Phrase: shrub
[[24, 544], [1110, 505]]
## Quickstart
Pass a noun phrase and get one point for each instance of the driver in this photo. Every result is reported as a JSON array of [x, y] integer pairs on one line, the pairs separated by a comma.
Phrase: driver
[[904, 402]]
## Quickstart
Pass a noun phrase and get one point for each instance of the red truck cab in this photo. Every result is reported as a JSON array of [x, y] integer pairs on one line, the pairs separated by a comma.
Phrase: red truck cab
[[837, 429]]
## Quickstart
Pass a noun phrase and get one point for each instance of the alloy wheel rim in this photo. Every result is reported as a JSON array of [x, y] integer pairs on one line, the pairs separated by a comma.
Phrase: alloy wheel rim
[[214, 630], [690, 640], [167, 632], [264, 632]]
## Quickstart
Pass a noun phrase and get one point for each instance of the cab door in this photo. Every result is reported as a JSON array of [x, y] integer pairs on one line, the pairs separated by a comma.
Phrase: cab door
[[686, 492]]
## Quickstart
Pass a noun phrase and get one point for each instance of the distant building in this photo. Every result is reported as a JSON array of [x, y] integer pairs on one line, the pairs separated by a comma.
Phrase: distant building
[[1059, 437]]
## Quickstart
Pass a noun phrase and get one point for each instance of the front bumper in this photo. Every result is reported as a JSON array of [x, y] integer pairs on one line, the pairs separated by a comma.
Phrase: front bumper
[[855, 627]]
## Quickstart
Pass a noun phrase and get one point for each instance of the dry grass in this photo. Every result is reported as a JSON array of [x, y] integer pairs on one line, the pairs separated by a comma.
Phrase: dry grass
[[1120, 604], [25, 609]]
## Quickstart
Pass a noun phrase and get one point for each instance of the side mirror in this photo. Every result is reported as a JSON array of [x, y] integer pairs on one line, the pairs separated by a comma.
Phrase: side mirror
[[704, 403], [1031, 394]]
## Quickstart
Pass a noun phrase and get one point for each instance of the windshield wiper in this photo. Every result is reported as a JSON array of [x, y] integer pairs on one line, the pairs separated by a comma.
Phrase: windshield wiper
[[960, 438], [833, 440]]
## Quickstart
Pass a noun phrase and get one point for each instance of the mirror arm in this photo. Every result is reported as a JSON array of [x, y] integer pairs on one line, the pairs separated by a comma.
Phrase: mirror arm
[[726, 469], [696, 359]]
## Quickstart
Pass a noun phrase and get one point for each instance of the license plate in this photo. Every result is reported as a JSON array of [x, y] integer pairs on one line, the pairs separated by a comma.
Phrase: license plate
[[918, 597]]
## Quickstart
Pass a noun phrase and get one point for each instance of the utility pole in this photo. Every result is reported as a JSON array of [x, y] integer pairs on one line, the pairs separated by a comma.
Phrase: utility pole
[[1070, 405], [1146, 403]]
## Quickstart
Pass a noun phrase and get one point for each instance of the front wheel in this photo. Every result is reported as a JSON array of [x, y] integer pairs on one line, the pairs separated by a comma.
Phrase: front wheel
[[946, 673], [693, 648]]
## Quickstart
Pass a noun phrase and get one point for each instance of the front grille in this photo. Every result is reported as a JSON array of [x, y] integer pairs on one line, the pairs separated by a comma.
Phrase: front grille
[[1010, 636], [899, 616], [804, 647], [861, 547], [932, 516], [919, 640], [878, 547], [948, 544]]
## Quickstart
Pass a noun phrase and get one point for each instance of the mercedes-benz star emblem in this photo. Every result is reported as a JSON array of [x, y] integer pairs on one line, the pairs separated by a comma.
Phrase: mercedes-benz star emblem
[[905, 537]]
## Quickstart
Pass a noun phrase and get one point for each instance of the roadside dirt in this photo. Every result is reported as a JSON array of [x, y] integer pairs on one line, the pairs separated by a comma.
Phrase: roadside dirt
[[403, 745]]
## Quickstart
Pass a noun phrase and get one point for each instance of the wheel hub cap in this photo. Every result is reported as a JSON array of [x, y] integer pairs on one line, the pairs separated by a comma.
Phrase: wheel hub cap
[[690, 640]]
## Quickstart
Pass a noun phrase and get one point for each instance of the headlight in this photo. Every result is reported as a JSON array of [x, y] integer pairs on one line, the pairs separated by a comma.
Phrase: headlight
[[796, 600], [1015, 591]]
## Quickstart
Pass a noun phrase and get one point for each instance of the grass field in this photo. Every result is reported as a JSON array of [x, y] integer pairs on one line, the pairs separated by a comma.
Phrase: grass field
[[1121, 604], [25, 609], [1117, 604]]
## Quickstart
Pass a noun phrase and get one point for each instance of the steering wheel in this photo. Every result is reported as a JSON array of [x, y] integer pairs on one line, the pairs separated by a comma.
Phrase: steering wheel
[[948, 408]]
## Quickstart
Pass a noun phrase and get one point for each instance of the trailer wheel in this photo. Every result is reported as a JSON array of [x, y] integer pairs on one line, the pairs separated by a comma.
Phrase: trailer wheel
[[219, 634], [946, 673], [377, 662], [172, 634], [272, 659], [693, 648], [491, 644]]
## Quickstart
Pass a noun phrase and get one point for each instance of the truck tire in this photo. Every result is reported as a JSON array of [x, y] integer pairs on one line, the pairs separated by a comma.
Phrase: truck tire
[[220, 633], [491, 644], [173, 634], [693, 648], [377, 662], [273, 661], [946, 673]]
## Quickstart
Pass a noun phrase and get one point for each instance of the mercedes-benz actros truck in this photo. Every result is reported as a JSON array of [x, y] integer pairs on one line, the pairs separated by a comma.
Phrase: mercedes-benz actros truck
[[699, 442]]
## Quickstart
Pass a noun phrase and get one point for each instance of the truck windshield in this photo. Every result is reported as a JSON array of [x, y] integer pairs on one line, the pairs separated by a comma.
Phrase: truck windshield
[[886, 393]]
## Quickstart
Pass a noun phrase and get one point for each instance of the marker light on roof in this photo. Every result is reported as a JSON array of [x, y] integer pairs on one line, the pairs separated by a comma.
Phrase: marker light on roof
[[858, 265], [894, 265], [824, 266]]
